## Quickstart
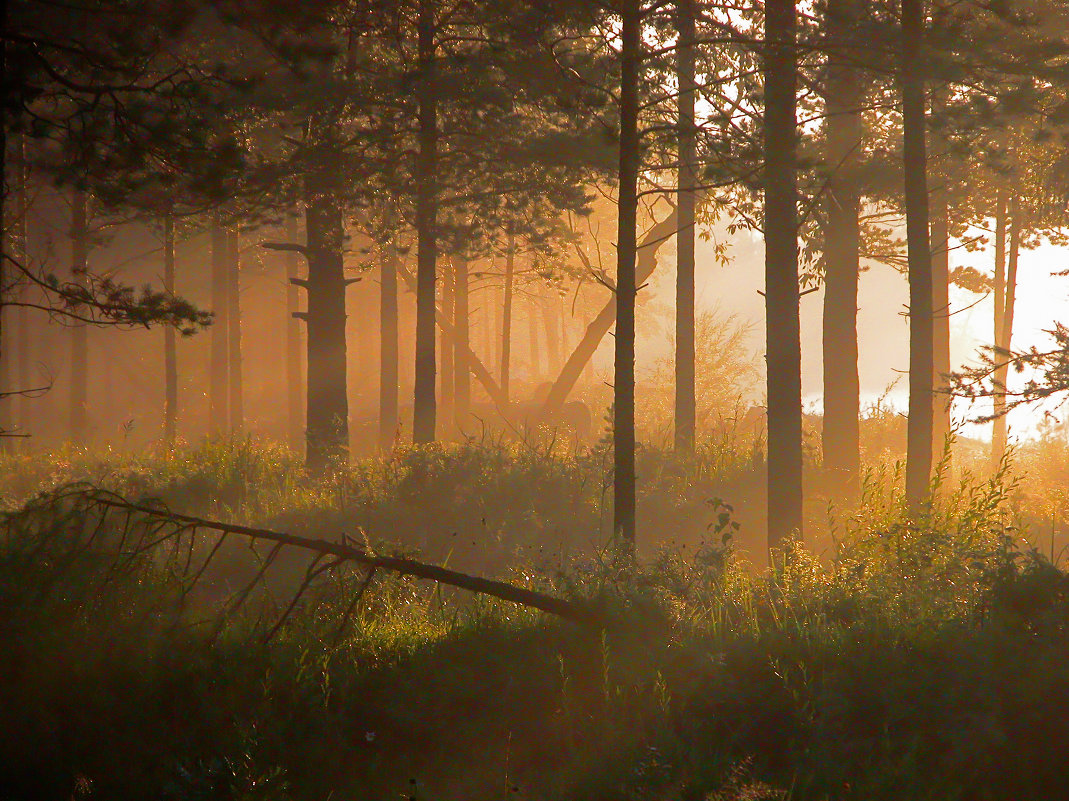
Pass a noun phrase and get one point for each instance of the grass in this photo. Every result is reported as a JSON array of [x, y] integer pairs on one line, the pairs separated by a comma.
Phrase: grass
[[891, 668]]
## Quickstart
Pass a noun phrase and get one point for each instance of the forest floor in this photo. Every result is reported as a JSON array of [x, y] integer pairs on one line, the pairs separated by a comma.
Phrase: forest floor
[[885, 659]]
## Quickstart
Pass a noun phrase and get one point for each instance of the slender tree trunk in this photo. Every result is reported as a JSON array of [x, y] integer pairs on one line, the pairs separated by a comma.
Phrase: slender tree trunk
[[294, 358], [327, 404], [998, 317], [424, 412], [686, 180], [446, 379], [1000, 432], [842, 247], [506, 314], [6, 415], [170, 355], [219, 375], [79, 410], [940, 233], [626, 285], [532, 339], [237, 406], [22, 250], [782, 335], [389, 358], [919, 255], [549, 323], [462, 342]]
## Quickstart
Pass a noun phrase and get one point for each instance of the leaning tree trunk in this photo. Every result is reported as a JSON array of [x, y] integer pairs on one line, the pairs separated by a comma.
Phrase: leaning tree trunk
[[424, 412], [506, 314], [919, 256], [842, 247], [461, 341], [942, 401], [389, 345], [327, 404], [79, 394], [219, 375], [626, 286], [1000, 432], [294, 360], [597, 329], [783, 340], [170, 355], [686, 178]]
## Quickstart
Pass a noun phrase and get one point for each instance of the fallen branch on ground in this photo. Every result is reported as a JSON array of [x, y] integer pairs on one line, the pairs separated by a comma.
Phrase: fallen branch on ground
[[407, 567]]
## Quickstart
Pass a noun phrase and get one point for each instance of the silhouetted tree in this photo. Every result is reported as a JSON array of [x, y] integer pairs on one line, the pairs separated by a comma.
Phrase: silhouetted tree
[[783, 345]]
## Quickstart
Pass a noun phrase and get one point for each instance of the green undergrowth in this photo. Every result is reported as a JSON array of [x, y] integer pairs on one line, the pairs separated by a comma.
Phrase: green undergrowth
[[923, 660], [478, 505]]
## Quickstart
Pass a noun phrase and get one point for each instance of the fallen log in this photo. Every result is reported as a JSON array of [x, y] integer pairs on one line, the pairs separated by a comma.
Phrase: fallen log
[[404, 566]]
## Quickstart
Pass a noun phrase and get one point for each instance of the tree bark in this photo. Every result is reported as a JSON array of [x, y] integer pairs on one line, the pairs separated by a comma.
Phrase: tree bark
[[532, 340], [236, 402], [842, 247], [999, 315], [424, 412], [552, 328], [170, 355], [940, 233], [79, 394], [327, 404], [919, 257], [389, 345], [446, 379], [461, 341], [23, 251], [624, 500], [219, 374], [686, 180], [1000, 431], [506, 315], [783, 340], [294, 359]]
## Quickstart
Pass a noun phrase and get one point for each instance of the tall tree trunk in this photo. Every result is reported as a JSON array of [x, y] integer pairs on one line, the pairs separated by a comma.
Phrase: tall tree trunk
[[22, 251], [588, 345], [327, 404], [236, 402], [783, 340], [532, 339], [446, 379], [999, 313], [170, 356], [686, 179], [506, 314], [389, 349], [919, 256], [552, 328], [294, 359], [842, 247], [940, 233], [1000, 432], [79, 395], [462, 341], [219, 374], [626, 285], [424, 412]]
